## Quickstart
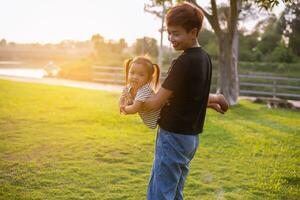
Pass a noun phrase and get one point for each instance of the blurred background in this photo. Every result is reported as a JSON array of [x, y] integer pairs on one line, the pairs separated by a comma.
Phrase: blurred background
[[62, 143], [89, 41]]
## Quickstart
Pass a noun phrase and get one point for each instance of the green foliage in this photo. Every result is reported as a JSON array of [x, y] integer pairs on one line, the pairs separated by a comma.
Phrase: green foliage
[[276, 68], [248, 48], [267, 47], [77, 70], [64, 143], [269, 4], [270, 38], [206, 36], [107, 53], [213, 49], [282, 54], [208, 40], [81, 69], [104, 48], [294, 34], [145, 46]]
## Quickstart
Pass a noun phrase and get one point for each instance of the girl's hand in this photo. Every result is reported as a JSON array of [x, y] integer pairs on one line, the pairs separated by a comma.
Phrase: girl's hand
[[122, 109], [122, 105]]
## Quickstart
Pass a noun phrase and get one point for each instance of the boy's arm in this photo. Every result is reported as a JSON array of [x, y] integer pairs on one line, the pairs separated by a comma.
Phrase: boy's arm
[[133, 108], [215, 101], [157, 100]]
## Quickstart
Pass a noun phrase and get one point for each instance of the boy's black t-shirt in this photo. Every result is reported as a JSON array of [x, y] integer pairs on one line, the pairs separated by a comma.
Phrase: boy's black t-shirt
[[189, 79]]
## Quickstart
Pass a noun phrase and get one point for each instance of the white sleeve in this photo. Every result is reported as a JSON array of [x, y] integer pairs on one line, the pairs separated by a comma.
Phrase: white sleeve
[[124, 92], [143, 93]]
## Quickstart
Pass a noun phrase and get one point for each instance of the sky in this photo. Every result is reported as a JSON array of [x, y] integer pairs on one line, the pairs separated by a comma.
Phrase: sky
[[51, 21]]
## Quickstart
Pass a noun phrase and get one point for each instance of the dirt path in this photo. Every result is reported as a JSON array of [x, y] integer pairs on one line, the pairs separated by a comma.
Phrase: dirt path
[[87, 85], [64, 82]]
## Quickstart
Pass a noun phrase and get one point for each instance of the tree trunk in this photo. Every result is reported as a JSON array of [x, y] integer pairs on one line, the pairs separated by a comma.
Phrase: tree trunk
[[235, 83], [228, 81], [160, 50]]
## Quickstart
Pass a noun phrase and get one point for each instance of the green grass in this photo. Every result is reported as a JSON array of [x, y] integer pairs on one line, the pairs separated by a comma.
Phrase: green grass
[[66, 143]]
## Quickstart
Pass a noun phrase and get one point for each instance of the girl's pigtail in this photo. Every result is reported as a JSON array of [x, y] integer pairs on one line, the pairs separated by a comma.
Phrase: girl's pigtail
[[127, 66], [156, 75]]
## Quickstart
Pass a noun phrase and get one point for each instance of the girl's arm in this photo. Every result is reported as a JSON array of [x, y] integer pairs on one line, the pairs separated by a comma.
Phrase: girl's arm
[[133, 108], [124, 100]]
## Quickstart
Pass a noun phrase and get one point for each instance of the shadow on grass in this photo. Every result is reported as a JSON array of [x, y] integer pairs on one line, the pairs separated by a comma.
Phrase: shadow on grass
[[292, 181], [260, 114]]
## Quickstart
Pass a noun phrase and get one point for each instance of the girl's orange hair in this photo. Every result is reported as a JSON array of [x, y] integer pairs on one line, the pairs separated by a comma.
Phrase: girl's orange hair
[[152, 69]]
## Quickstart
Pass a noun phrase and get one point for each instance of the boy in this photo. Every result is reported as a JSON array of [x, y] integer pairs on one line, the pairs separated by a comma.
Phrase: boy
[[183, 98]]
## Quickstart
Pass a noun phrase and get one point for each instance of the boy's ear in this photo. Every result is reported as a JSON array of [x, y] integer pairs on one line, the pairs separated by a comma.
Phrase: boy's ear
[[194, 32]]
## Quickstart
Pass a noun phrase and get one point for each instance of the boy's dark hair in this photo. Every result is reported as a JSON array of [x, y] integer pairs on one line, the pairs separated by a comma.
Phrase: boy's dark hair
[[186, 15]]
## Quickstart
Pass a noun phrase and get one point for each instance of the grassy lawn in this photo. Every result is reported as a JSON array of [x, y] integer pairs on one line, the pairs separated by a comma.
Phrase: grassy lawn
[[66, 143]]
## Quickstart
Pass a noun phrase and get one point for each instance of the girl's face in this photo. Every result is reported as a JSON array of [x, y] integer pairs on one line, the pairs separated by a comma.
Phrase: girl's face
[[138, 75]]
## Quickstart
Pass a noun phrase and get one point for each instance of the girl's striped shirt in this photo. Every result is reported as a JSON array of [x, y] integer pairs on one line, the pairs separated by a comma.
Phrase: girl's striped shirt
[[149, 117]]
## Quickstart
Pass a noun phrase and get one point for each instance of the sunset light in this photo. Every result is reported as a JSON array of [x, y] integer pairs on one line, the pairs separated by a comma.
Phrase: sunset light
[[149, 99], [55, 20], [51, 21]]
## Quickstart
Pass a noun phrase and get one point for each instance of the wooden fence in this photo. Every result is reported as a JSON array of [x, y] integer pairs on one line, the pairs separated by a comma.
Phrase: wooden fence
[[258, 84], [270, 86]]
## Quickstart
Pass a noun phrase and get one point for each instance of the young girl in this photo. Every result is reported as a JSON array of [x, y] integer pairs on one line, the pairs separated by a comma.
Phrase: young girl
[[142, 77]]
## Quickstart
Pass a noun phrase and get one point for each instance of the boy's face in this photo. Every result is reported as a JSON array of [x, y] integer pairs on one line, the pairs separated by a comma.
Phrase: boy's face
[[180, 38]]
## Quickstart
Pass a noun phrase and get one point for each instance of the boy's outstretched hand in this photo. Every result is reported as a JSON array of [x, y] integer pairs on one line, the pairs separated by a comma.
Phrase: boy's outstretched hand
[[216, 107], [218, 103]]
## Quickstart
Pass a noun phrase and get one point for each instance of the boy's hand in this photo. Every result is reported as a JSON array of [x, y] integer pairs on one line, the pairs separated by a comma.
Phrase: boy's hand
[[216, 107], [222, 102], [218, 103]]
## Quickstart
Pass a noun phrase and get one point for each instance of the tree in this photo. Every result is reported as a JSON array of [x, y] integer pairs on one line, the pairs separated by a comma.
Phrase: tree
[[116, 47], [291, 26], [3, 43], [224, 23], [282, 54], [271, 36], [248, 50], [212, 49], [99, 44], [273, 32], [206, 37], [146, 45], [152, 8], [122, 44]]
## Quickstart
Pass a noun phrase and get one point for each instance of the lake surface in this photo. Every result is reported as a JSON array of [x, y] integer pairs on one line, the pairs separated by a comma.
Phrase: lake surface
[[23, 72]]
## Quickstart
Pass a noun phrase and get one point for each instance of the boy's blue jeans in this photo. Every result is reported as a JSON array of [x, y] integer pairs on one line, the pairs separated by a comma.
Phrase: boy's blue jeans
[[173, 153]]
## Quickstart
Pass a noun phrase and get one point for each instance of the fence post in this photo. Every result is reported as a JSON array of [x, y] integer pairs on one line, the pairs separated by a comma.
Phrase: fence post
[[274, 88]]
